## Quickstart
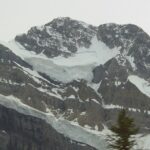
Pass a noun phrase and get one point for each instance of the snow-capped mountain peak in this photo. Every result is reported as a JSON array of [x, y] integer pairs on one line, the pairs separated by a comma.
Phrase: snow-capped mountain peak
[[69, 75]]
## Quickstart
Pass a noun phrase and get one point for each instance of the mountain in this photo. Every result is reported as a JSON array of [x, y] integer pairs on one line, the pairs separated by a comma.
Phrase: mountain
[[62, 85]]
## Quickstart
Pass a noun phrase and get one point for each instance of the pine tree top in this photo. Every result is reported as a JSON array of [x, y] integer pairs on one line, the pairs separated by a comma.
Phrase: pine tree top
[[122, 132]]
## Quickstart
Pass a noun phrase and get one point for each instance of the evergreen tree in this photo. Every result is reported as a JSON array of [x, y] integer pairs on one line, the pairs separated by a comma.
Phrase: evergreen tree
[[122, 138]]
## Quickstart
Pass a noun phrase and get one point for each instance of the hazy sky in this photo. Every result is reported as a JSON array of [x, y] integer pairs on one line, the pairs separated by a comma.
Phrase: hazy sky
[[17, 16]]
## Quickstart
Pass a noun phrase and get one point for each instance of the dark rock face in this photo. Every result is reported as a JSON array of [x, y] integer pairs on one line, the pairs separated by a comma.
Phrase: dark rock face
[[119, 35], [8, 57], [62, 36], [133, 41], [99, 73], [115, 89], [22, 132]]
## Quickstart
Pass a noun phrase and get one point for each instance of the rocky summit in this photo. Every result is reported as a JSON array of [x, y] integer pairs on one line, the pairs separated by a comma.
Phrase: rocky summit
[[62, 85]]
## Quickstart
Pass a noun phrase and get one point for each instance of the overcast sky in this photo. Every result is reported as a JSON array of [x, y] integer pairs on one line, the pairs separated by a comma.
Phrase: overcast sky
[[17, 16]]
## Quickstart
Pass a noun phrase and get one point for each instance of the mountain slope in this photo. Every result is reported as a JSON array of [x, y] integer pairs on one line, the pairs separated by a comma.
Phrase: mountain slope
[[79, 76]]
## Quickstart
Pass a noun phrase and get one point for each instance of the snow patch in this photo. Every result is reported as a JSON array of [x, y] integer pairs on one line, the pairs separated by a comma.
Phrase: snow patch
[[56, 95], [141, 84], [72, 97], [131, 60], [83, 113], [112, 106], [142, 142], [96, 101], [117, 83], [94, 86]]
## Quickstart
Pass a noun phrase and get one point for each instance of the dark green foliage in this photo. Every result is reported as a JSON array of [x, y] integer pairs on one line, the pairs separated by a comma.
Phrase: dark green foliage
[[122, 139]]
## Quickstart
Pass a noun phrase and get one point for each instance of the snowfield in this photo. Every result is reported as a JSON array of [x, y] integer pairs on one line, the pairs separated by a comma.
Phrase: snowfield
[[78, 66], [141, 84], [61, 73]]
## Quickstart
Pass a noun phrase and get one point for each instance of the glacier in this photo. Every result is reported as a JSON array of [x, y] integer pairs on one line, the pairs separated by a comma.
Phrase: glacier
[[78, 66]]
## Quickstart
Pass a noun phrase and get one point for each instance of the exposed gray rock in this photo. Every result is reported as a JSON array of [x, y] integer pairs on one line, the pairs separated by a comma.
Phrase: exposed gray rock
[[99, 74], [62, 36], [133, 41]]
